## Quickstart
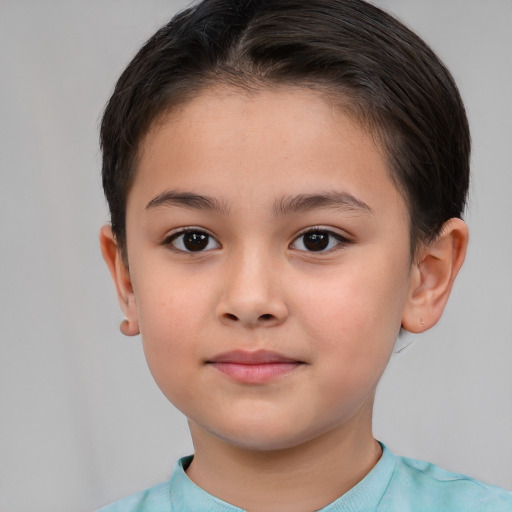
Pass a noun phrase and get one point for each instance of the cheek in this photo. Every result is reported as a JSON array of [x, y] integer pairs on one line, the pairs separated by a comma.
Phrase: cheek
[[357, 312], [170, 321], [352, 331], [169, 304]]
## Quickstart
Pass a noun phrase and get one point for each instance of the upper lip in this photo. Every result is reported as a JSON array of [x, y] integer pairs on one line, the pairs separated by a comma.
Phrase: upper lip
[[255, 357]]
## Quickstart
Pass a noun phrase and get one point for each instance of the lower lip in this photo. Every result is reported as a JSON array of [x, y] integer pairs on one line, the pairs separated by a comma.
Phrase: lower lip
[[255, 373]]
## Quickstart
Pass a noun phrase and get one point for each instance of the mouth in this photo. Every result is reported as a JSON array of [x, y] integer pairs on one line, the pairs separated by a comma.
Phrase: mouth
[[254, 367]]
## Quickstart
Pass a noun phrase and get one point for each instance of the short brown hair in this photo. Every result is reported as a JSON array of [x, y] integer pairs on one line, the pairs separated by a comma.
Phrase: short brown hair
[[381, 71]]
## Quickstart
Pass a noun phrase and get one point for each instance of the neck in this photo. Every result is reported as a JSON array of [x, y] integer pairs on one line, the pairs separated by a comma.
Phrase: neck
[[301, 478]]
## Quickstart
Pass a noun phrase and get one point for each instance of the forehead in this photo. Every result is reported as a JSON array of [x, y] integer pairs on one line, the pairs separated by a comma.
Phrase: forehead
[[262, 145]]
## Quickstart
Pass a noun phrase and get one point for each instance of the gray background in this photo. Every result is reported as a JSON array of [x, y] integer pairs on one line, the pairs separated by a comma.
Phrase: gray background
[[81, 421]]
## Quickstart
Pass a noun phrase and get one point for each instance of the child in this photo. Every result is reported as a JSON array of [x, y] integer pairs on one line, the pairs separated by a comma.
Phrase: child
[[286, 182]]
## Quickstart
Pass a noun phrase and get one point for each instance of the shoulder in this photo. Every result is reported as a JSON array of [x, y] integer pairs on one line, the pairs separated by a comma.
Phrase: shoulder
[[154, 499], [422, 486], [179, 494]]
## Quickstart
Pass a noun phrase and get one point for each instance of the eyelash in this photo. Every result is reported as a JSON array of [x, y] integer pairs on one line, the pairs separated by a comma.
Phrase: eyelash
[[341, 240], [192, 231], [204, 236]]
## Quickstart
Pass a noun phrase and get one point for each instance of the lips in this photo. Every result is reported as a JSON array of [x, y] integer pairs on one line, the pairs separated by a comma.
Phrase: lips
[[254, 367]]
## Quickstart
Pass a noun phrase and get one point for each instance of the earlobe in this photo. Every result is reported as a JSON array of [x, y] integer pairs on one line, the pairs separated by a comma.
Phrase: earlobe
[[122, 281], [433, 275]]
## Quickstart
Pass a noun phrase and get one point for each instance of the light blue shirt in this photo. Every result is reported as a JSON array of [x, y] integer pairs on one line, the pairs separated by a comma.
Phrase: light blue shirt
[[395, 484]]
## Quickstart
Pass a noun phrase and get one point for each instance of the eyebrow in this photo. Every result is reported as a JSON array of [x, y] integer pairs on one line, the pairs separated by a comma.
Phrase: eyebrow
[[300, 203], [309, 202], [188, 200]]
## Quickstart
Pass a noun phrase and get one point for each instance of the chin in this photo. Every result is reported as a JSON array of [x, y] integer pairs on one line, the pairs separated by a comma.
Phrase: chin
[[258, 437], [261, 444]]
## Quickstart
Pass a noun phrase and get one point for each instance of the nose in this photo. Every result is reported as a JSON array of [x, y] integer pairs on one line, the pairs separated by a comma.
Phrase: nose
[[252, 294]]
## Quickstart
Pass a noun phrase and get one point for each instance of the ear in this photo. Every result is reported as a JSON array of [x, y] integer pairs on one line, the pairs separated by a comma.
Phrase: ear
[[433, 275], [121, 277]]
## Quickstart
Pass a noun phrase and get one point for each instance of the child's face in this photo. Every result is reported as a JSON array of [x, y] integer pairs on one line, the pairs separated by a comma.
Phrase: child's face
[[329, 304]]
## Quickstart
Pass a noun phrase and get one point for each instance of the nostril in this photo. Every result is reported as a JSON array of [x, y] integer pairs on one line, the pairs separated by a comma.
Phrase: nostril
[[266, 316], [230, 316]]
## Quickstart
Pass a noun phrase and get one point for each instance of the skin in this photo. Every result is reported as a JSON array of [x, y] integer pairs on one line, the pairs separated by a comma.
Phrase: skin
[[300, 440]]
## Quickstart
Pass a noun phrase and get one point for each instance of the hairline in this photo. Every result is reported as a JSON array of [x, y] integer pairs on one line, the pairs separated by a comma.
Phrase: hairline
[[343, 99]]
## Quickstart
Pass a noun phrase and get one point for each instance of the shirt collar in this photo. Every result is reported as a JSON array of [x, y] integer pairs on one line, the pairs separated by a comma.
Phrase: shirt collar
[[188, 497]]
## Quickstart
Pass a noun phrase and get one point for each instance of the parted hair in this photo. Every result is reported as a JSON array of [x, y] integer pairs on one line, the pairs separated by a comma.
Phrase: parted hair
[[355, 54]]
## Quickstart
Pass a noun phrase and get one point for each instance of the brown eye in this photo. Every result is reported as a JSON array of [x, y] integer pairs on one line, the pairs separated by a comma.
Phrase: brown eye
[[193, 241], [318, 240]]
